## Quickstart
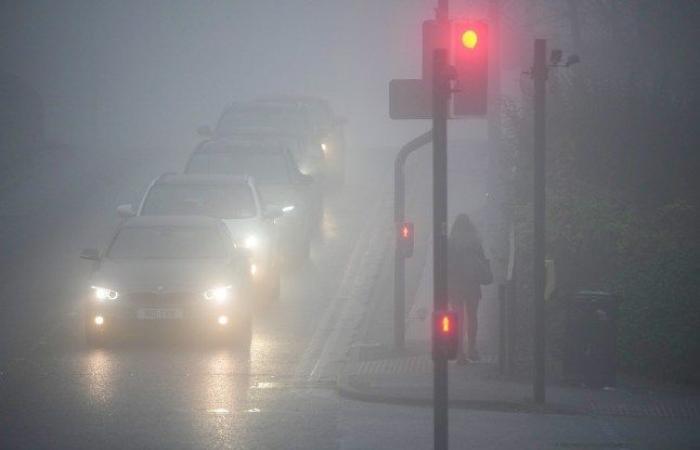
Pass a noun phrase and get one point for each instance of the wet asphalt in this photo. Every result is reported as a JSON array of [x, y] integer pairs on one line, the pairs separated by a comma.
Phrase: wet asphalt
[[163, 390]]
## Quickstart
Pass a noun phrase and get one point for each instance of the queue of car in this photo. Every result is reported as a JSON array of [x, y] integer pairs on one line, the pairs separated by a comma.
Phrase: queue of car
[[203, 246]]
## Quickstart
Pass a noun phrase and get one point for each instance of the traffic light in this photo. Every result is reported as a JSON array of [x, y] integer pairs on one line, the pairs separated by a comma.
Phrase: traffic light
[[405, 239], [445, 334], [470, 42]]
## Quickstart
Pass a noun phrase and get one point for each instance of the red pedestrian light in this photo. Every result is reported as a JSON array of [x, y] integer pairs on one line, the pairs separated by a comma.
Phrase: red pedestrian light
[[445, 334], [445, 324], [405, 239]]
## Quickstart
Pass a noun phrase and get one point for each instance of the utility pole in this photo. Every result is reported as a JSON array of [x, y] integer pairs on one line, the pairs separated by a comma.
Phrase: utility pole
[[539, 75], [441, 92]]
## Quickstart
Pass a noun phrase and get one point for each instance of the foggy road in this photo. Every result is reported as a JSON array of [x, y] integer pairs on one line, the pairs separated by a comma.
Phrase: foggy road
[[58, 393], [159, 393], [529, 280]]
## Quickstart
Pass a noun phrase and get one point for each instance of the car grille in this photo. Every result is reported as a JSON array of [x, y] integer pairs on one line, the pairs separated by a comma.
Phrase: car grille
[[161, 300]]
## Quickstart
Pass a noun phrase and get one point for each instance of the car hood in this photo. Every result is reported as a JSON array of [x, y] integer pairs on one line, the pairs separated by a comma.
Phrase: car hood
[[163, 276], [282, 194], [240, 228]]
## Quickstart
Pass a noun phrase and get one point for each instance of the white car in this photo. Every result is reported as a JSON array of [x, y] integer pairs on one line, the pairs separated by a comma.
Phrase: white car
[[234, 200], [178, 273], [280, 183]]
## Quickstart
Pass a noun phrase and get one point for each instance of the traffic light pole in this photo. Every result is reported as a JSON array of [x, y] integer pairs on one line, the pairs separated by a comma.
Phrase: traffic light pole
[[441, 93], [539, 75], [399, 258]]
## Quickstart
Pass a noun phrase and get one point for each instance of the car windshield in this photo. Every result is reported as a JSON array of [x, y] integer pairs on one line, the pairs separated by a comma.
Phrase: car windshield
[[265, 167], [220, 201], [168, 242], [288, 120]]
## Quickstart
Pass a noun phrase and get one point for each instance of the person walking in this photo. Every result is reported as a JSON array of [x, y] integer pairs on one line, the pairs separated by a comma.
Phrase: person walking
[[468, 270]]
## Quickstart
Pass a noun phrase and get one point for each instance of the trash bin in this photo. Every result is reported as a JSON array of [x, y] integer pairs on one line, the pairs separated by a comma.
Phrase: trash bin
[[591, 339]]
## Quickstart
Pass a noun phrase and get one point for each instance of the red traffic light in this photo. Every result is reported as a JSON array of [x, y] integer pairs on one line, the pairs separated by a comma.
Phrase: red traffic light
[[445, 334], [470, 39], [470, 59], [405, 239]]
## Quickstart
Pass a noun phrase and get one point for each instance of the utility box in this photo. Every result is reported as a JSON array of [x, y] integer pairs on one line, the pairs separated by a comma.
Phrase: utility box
[[590, 356]]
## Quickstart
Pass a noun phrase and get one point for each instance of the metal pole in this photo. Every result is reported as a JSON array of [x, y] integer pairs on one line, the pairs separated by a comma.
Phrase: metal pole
[[441, 92], [539, 74], [511, 288], [399, 216], [502, 323], [511, 304]]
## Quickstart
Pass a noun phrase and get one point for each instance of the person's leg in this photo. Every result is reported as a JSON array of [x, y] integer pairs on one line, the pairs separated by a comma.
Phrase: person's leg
[[472, 327]]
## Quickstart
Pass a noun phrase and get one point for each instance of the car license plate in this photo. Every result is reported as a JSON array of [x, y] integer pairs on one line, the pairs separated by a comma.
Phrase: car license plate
[[159, 314]]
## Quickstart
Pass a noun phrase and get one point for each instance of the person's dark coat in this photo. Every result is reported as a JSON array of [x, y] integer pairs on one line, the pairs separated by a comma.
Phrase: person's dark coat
[[465, 257]]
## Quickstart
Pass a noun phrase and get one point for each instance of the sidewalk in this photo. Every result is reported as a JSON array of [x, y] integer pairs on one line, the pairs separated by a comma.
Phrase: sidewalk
[[381, 376]]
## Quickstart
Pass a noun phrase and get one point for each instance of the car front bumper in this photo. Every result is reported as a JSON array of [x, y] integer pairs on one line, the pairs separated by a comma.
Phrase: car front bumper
[[177, 312]]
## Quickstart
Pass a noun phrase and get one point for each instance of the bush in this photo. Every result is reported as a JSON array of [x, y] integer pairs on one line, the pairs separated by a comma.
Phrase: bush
[[659, 332]]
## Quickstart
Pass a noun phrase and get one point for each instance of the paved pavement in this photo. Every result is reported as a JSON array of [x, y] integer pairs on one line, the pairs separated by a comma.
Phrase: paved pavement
[[379, 375], [408, 380], [488, 409]]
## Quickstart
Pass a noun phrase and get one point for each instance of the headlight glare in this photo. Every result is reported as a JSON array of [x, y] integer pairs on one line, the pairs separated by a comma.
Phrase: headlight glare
[[218, 295], [251, 242], [103, 294]]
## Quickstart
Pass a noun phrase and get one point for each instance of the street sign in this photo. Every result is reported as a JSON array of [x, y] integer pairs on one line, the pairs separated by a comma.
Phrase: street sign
[[410, 99]]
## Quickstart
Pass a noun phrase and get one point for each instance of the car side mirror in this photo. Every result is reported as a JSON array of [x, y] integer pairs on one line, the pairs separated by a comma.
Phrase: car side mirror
[[90, 254], [273, 212], [126, 211], [205, 131]]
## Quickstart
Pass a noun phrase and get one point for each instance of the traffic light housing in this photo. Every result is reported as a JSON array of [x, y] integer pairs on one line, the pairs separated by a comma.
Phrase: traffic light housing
[[405, 239], [470, 42], [434, 37], [445, 334]]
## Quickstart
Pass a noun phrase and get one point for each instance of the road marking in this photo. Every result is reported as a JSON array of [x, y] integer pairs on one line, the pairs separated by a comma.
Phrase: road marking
[[340, 316]]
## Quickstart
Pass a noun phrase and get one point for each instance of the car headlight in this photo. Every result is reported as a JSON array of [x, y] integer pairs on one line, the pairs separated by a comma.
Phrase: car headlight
[[251, 242], [288, 209], [324, 147], [219, 294], [103, 294]]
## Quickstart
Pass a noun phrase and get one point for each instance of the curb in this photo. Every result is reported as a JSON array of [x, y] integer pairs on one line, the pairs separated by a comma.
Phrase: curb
[[346, 389]]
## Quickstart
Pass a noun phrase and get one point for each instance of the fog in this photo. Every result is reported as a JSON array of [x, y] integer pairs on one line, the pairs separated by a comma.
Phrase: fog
[[126, 73], [300, 312]]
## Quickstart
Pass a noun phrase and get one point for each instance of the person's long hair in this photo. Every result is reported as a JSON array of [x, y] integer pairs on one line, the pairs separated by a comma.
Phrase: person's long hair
[[463, 233]]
